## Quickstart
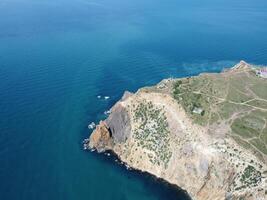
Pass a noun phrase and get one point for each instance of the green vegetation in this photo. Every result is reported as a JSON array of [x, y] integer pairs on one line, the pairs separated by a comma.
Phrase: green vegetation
[[243, 129], [263, 136], [238, 99], [226, 109], [250, 176], [242, 142], [237, 96], [259, 88], [152, 133], [251, 127], [182, 92], [260, 145], [258, 103]]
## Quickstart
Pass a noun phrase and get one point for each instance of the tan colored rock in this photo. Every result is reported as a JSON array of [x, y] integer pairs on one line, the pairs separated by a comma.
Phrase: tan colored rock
[[242, 65], [101, 138], [201, 160]]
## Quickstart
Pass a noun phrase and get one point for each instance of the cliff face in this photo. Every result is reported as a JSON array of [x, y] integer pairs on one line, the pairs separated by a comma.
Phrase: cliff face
[[152, 131], [119, 124], [101, 138]]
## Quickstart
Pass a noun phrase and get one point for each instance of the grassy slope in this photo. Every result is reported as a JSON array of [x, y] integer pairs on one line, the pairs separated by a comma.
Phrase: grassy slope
[[238, 98]]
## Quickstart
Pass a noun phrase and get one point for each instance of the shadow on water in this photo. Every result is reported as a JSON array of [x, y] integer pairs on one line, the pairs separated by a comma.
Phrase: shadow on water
[[159, 187]]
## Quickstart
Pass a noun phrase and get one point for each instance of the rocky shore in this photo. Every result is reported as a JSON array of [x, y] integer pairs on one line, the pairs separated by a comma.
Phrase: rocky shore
[[152, 131]]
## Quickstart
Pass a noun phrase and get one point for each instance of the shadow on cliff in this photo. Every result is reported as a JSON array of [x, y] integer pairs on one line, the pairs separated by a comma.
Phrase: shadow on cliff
[[159, 187]]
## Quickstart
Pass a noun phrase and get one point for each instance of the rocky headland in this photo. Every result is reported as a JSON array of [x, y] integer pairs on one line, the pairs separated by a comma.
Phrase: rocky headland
[[206, 134]]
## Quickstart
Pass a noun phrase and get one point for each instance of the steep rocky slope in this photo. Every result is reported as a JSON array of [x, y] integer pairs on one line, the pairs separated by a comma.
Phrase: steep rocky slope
[[206, 134]]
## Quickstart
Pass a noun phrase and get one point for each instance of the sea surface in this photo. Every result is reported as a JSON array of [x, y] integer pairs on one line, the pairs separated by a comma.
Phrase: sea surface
[[57, 56]]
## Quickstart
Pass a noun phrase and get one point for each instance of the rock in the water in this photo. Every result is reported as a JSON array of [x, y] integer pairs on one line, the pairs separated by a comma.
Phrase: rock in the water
[[91, 125], [100, 138]]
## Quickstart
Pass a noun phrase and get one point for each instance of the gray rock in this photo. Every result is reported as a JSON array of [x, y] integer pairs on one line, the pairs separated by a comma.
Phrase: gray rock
[[119, 124], [228, 196]]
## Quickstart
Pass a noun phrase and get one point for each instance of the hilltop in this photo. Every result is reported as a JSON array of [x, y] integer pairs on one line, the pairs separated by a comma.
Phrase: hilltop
[[207, 134]]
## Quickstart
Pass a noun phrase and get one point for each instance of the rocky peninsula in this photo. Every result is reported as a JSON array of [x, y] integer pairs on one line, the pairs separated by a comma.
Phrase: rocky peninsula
[[206, 134]]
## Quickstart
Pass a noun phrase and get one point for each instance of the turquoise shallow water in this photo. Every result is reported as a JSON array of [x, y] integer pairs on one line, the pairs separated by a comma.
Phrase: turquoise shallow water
[[57, 56]]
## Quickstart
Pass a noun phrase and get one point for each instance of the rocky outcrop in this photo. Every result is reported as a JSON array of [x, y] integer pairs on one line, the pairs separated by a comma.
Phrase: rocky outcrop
[[119, 124], [191, 166], [242, 65], [151, 132], [115, 129], [101, 138]]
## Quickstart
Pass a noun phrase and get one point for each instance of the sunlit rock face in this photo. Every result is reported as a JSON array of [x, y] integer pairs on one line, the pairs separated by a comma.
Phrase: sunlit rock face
[[155, 130]]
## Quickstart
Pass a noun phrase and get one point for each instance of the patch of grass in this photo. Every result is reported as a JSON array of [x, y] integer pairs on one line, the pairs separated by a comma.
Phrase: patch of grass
[[222, 96], [258, 103], [184, 94], [250, 176], [226, 110], [236, 96], [241, 128], [216, 87], [241, 142], [263, 136], [214, 118], [259, 145], [259, 88], [238, 81], [252, 126], [253, 121]]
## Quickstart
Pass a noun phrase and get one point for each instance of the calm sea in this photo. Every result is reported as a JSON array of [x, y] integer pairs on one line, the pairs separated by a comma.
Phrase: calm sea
[[56, 56]]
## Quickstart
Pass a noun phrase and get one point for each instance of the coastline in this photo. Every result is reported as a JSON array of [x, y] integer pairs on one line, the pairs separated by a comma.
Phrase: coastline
[[111, 157], [206, 161]]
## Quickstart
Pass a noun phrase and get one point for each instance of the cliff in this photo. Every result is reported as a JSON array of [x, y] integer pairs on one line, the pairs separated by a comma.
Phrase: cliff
[[206, 134]]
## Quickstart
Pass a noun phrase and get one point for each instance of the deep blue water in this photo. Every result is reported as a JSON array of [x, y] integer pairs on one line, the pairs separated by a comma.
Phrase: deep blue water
[[56, 56]]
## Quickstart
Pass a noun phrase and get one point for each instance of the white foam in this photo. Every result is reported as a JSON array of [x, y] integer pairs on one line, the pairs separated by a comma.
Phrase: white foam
[[92, 125]]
